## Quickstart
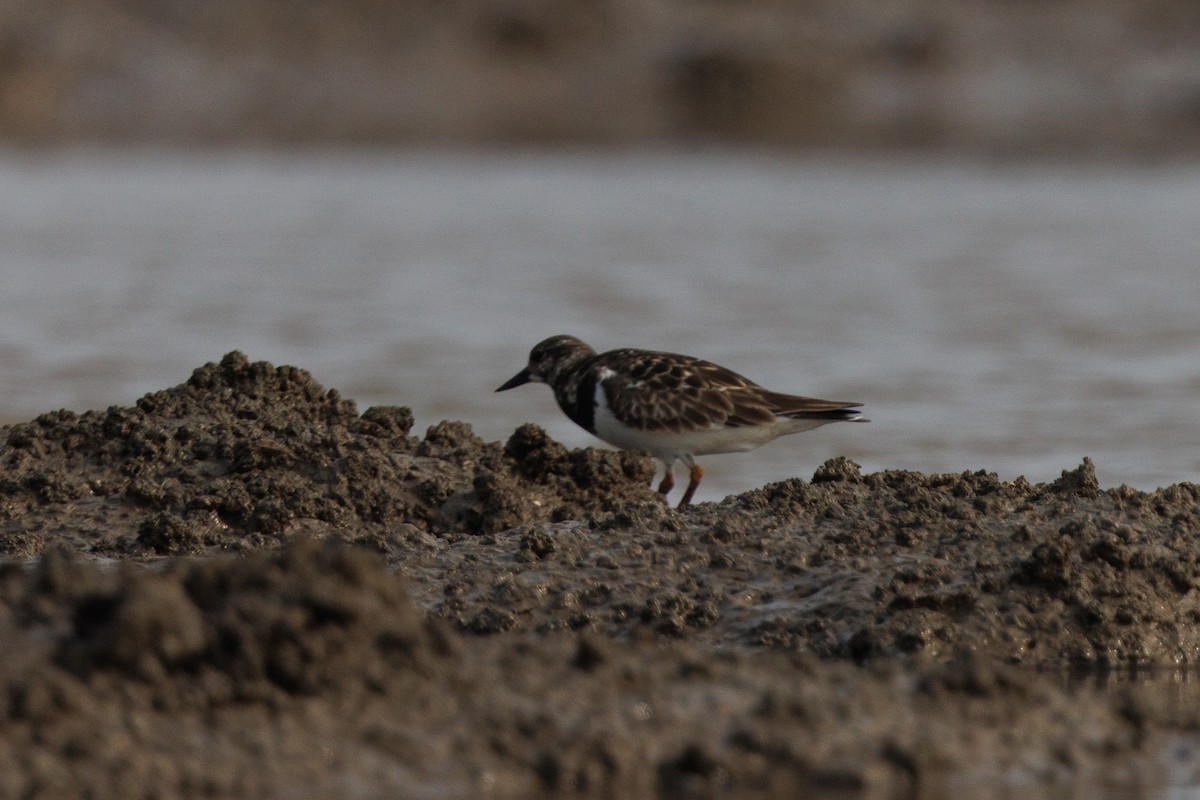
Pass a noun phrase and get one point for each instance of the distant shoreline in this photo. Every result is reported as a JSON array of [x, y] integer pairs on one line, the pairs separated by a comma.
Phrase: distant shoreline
[[1075, 78]]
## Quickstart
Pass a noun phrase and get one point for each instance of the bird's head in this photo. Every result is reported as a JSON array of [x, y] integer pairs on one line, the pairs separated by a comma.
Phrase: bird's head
[[550, 358]]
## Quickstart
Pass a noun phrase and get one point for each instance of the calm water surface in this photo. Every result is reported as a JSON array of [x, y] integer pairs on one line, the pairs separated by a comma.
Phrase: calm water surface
[[999, 317]]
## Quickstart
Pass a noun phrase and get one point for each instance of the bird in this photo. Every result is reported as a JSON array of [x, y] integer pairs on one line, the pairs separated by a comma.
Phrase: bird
[[672, 406]]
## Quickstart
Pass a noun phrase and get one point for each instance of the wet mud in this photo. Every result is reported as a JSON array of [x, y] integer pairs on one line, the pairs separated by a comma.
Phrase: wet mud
[[242, 586]]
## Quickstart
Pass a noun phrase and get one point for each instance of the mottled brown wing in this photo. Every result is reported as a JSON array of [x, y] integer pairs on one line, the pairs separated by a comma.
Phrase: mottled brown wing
[[669, 392]]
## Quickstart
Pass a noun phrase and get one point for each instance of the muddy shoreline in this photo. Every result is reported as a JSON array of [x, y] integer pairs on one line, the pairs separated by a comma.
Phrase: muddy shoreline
[[1083, 78], [243, 586]]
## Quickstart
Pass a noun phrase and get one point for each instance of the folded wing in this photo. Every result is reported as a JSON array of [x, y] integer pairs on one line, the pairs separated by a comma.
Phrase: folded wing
[[680, 394]]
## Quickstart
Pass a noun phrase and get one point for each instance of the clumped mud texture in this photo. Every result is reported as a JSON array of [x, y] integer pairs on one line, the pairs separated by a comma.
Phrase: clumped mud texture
[[245, 454], [308, 673], [446, 616], [858, 566]]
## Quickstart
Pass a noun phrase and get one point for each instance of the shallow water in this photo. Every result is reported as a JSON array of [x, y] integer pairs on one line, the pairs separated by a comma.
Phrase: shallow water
[[1010, 318]]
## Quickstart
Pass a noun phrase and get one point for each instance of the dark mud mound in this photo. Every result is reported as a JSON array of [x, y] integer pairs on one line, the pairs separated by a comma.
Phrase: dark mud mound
[[299, 623], [859, 566], [243, 454], [307, 673], [633, 650], [1030, 573]]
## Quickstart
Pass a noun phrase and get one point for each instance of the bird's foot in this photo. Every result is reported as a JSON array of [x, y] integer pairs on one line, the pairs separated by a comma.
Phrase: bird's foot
[[694, 477]]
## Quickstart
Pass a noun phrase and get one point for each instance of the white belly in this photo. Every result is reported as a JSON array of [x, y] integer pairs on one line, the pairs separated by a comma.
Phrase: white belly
[[671, 445]]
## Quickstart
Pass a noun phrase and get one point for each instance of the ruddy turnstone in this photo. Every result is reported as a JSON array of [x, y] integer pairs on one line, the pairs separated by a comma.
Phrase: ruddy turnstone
[[672, 406]]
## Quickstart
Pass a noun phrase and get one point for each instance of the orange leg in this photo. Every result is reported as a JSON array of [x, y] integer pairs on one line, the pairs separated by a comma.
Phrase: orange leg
[[668, 482], [694, 477]]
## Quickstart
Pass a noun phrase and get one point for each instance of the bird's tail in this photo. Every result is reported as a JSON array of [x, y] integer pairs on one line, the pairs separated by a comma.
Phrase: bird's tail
[[794, 407], [833, 415]]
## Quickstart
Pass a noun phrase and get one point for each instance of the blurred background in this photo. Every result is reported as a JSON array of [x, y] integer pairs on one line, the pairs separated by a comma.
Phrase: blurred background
[[980, 218]]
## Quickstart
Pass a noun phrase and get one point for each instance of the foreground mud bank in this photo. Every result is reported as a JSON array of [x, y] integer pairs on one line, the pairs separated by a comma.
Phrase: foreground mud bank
[[308, 673], [441, 614]]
